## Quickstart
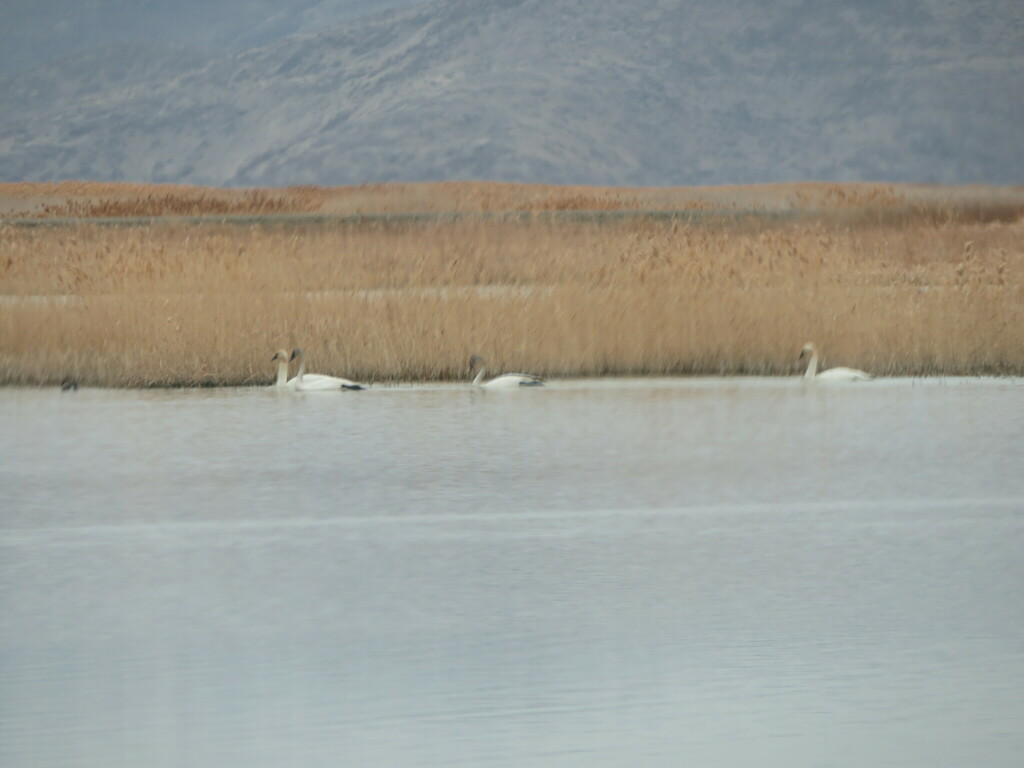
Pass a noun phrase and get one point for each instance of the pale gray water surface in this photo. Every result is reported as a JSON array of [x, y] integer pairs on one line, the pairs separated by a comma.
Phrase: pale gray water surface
[[600, 573]]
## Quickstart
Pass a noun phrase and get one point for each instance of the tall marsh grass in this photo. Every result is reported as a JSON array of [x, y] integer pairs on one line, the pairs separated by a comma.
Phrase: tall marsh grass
[[879, 285]]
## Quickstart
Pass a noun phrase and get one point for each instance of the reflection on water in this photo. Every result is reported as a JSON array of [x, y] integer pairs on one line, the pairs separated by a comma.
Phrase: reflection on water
[[649, 572]]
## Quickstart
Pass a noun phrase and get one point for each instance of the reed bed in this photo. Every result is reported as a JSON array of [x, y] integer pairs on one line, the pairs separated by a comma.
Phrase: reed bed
[[91, 199], [890, 286], [74, 199]]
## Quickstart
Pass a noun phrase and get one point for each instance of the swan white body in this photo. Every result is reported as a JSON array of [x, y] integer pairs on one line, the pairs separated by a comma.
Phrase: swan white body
[[505, 380], [307, 382], [832, 374], [317, 382]]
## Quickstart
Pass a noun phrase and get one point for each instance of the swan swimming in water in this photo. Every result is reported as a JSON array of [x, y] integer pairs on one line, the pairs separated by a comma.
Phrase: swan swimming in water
[[317, 382], [281, 357], [832, 374], [505, 380], [306, 382]]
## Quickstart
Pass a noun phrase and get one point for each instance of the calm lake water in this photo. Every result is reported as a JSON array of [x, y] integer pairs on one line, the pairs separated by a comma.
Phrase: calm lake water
[[600, 573]]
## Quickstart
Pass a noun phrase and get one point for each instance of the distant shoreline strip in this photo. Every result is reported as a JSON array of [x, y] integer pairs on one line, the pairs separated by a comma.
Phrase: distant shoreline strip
[[300, 219]]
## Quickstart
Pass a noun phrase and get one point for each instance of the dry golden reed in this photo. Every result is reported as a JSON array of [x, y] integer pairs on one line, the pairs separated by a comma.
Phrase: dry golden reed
[[92, 199], [893, 283]]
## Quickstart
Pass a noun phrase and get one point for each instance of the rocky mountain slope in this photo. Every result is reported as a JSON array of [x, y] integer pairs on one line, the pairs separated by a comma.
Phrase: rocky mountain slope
[[638, 92]]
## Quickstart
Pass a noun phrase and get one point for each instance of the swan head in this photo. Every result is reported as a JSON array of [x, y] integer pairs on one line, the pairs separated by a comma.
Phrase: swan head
[[474, 361], [297, 353], [281, 354], [807, 351]]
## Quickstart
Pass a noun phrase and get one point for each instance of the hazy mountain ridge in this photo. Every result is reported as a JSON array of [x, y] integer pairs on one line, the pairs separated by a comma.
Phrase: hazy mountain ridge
[[31, 31], [617, 91]]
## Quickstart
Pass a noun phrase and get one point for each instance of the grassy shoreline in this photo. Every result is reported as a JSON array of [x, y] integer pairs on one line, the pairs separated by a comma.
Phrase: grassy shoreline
[[894, 280]]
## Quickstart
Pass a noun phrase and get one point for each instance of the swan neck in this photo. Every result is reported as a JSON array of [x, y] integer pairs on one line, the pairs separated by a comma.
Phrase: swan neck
[[302, 369], [282, 373], [812, 366], [479, 376]]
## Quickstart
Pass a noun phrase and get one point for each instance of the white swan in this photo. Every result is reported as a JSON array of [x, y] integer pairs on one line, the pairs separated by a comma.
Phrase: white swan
[[281, 357], [315, 382], [832, 374], [505, 381]]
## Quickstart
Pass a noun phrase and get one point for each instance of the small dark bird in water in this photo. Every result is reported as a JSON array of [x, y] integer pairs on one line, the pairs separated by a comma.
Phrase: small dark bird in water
[[68, 385]]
